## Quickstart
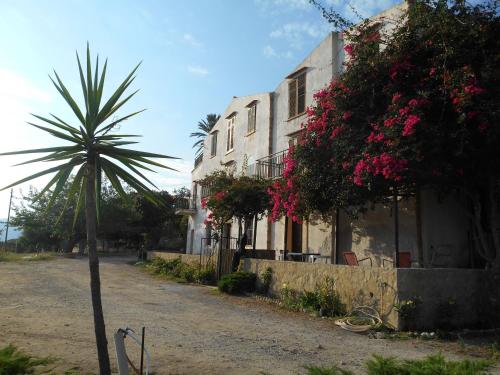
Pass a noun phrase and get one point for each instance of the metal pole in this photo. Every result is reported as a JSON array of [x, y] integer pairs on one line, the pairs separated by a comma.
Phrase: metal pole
[[254, 233], [219, 258], [8, 220], [396, 229], [142, 349]]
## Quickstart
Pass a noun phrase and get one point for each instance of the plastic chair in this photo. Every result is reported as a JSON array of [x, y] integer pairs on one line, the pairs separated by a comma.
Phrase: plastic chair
[[352, 260]]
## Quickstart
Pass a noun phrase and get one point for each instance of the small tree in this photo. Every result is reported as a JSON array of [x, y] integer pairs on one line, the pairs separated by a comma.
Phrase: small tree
[[93, 150]]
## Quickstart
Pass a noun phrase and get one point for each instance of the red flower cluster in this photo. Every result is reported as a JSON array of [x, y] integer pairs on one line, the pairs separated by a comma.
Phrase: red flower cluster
[[385, 164]]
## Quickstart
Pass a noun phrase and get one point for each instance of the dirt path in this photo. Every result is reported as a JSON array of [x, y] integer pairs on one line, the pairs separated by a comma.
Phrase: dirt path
[[45, 308]]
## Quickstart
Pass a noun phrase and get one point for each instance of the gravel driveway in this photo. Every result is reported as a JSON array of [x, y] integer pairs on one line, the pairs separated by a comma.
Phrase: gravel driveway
[[45, 308]]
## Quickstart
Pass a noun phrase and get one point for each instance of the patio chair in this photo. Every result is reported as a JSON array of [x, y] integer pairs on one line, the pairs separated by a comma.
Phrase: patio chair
[[404, 260], [352, 260]]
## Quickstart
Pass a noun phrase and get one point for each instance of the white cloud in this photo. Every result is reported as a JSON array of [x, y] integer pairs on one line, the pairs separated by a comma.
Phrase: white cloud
[[296, 32], [191, 40], [197, 70], [170, 180], [18, 97], [270, 53]]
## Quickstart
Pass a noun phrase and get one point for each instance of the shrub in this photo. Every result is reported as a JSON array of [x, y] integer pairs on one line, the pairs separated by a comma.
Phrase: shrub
[[14, 362], [237, 282], [267, 278], [206, 276], [324, 299]]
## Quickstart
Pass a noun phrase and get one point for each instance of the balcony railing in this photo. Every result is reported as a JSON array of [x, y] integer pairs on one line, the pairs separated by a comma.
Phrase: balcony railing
[[185, 206], [270, 166], [198, 160]]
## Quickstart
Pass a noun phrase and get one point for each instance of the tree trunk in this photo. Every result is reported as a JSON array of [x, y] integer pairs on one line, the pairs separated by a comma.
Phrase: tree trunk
[[95, 282]]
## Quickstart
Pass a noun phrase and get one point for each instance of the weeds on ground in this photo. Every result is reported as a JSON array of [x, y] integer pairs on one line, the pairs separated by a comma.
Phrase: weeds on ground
[[313, 370], [15, 362], [431, 365], [324, 300], [9, 256], [180, 271]]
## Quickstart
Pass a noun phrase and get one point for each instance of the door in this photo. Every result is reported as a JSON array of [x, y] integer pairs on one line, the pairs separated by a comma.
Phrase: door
[[293, 236]]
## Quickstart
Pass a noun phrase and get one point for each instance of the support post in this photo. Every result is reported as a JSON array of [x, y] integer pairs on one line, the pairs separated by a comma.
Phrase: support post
[[254, 233], [396, 228], [418, 220]]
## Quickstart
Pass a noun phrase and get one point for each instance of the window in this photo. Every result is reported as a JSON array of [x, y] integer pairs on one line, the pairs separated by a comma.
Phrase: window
[[297, 95], [213, 145], [230, 134], [249, 232], [252, 118]]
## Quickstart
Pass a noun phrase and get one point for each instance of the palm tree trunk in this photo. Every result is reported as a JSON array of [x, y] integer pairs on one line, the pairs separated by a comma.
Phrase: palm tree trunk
[[95, 282]]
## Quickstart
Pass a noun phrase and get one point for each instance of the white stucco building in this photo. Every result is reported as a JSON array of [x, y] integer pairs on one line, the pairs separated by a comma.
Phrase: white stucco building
[[254, 132]]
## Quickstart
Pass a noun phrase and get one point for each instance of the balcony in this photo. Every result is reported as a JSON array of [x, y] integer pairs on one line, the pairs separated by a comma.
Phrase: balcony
[[185, 206], [268, 167]]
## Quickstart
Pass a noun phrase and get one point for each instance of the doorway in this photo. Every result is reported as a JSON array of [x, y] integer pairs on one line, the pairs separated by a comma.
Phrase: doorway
[[293, 236]]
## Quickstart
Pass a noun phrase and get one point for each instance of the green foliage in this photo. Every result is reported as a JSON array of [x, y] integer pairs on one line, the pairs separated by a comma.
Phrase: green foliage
[[431, 365], [324, 300], [314, 370], [204, 127], [415, 108], [266, 279], [94, 148], [237, 283], [408, 307], [15, 362], [122, 221], [230, 196], [181, 271]]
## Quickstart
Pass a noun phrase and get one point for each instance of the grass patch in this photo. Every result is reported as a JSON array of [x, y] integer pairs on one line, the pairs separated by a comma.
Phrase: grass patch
[[431, 365], [15, 362], [313, 370], [8, 256]]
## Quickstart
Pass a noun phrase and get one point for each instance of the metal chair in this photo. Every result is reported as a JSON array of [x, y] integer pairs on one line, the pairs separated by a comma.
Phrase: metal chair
[[404, 260], [352, 260]]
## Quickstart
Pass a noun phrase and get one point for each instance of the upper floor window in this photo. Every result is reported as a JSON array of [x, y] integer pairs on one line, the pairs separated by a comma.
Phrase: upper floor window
[[297, 95], [213, 144], [230, 133], [252, 117]]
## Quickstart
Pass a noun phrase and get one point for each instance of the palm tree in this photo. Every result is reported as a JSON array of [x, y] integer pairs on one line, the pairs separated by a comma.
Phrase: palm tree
[[205, 126], [93, 149]]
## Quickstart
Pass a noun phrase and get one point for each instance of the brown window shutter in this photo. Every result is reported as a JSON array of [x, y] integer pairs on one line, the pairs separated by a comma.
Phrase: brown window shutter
[[292, 98], [301, 93]]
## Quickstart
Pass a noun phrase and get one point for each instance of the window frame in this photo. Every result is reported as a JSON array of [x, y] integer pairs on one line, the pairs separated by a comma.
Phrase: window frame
[[213, 144], [252, 119], [230, 134], [297, 86]]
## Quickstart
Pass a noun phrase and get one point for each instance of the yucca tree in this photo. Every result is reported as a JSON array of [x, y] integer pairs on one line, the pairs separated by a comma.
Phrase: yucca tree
[[92, 149], [204, 127]]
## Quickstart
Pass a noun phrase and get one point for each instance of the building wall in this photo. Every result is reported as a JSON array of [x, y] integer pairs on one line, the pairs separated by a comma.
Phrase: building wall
[[247, 149]]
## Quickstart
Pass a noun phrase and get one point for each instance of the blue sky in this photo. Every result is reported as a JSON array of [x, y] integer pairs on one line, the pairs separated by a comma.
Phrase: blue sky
[[196, 55]]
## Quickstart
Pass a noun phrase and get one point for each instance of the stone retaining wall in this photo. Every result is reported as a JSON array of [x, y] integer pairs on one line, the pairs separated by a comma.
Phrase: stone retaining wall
[[451, 297]]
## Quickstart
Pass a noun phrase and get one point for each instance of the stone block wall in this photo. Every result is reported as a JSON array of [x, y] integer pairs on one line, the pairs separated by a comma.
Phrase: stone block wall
[[451, 297], [376, 287]]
